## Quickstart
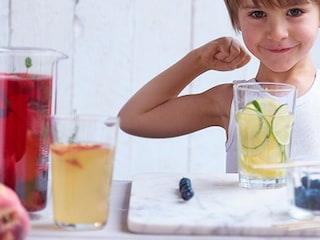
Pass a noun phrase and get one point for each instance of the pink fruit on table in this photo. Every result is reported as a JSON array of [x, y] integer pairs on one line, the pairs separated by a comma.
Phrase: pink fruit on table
[[14, 219]]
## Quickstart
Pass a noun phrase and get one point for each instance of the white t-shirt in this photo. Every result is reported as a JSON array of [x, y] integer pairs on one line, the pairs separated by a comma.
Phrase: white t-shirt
[[305, 133]]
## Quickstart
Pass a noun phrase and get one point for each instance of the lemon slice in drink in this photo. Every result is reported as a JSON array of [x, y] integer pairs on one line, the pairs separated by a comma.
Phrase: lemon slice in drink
[[281, 124], [254, 129], [267, 106]]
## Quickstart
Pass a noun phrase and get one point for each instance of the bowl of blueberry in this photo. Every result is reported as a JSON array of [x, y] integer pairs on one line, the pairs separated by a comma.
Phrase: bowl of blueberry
[[304, 191]]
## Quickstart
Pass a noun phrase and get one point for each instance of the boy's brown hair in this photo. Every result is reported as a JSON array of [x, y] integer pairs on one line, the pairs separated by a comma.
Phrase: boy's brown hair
[[234, 5]]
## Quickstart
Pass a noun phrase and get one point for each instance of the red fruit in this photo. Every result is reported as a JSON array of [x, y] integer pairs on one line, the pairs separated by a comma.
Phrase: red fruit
[[74, 162], [61, 149], [34, 202], [14, 219]]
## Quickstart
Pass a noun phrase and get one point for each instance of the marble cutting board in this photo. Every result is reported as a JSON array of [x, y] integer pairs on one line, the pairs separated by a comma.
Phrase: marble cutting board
[[219, 207]]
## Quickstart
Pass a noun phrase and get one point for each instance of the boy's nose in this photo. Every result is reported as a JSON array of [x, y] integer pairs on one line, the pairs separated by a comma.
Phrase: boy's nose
[[277, 30]]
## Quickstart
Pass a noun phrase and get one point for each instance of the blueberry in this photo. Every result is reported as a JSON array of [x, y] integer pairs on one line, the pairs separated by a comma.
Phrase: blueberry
[[300, 197], [315, 183], [306, 182], [185, 188], [308, 198], [308, 195], [184, 181], [311, 197], [186, 195]]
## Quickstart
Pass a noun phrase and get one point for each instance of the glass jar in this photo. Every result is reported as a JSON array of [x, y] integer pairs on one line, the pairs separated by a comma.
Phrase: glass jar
[[303, 185]]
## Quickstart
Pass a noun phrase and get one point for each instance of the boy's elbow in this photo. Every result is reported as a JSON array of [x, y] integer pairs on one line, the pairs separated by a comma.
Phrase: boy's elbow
[[124, 126], [126, 122]]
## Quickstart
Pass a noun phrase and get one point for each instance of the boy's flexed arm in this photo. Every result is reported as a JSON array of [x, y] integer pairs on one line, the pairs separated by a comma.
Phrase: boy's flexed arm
[[157, 111]]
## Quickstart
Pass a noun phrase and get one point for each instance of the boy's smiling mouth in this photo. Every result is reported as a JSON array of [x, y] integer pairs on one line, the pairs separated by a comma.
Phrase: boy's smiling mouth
[[279, 50]]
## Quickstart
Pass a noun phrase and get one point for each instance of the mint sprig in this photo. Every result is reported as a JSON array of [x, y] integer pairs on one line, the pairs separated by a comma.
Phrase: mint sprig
[[74, 134], [28, 62], [76, 128]]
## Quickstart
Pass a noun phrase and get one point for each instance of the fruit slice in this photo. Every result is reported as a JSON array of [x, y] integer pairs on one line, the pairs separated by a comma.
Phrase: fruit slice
[[256, 105], [281, 124], [264, 130], [267, 106], [254, 129], [60, 148]]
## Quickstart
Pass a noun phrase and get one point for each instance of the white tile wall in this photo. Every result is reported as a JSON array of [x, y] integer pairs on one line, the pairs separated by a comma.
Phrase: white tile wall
[[114, 47]]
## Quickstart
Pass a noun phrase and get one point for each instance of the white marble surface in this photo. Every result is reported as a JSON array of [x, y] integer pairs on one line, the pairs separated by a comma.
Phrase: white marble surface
[[43, 227], [219, 207]]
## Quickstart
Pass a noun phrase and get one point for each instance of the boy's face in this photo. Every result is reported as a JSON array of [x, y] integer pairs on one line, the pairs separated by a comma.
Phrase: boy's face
[[279, 37]]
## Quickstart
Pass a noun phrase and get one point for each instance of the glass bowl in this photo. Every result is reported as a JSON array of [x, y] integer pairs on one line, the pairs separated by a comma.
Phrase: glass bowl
[[303, 183]]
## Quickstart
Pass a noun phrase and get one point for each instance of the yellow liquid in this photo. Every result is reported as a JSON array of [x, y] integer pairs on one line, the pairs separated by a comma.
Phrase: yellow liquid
[[267, 152], [81, 177]]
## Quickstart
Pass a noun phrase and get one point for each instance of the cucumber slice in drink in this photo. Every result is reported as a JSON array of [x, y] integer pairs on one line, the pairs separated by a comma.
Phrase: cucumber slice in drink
[[281, 124], [266, 106], [254, 129]]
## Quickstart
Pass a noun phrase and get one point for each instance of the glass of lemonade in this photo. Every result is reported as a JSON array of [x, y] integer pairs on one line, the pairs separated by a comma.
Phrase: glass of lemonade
[[264, 115], [82, 155]]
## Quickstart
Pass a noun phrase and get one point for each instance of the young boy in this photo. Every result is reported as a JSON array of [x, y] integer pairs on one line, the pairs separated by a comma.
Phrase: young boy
[[280, 33]]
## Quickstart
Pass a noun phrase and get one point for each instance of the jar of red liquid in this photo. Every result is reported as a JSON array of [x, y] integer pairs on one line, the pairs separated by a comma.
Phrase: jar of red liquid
[[27, 100]]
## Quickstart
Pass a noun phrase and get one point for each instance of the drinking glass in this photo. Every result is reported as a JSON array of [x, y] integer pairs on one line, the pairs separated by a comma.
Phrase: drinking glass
[[264, 114], [82, 153]]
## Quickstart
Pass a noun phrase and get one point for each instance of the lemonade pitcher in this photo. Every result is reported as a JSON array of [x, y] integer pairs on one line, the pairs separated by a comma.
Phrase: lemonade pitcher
[[27, 99], [264, 115]]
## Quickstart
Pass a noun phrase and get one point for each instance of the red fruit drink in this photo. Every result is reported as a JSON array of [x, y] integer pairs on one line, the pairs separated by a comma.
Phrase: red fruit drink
[[25, 107]]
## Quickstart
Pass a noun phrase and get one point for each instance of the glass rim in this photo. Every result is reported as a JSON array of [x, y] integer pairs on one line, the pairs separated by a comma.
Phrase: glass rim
[[247, 86], [36, 51], [86, 117]]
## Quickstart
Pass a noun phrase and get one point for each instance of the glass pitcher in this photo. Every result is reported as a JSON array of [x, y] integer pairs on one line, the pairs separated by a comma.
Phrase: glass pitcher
[[27, 99]]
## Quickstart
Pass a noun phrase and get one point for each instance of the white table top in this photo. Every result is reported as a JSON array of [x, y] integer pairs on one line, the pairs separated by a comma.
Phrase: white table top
[[44, 228]]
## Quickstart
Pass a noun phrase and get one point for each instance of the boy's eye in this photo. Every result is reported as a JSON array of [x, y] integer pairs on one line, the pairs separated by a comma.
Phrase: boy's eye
[[295, 12], [257, 14]]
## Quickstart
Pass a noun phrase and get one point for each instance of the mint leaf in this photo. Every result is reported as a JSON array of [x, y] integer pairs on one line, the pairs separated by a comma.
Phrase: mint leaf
[[76, 128], [28, 62], [74, 134]]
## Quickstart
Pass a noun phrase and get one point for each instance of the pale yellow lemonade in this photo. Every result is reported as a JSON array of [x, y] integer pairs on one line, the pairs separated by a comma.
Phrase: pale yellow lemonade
[[82, 175], [264, 129]]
